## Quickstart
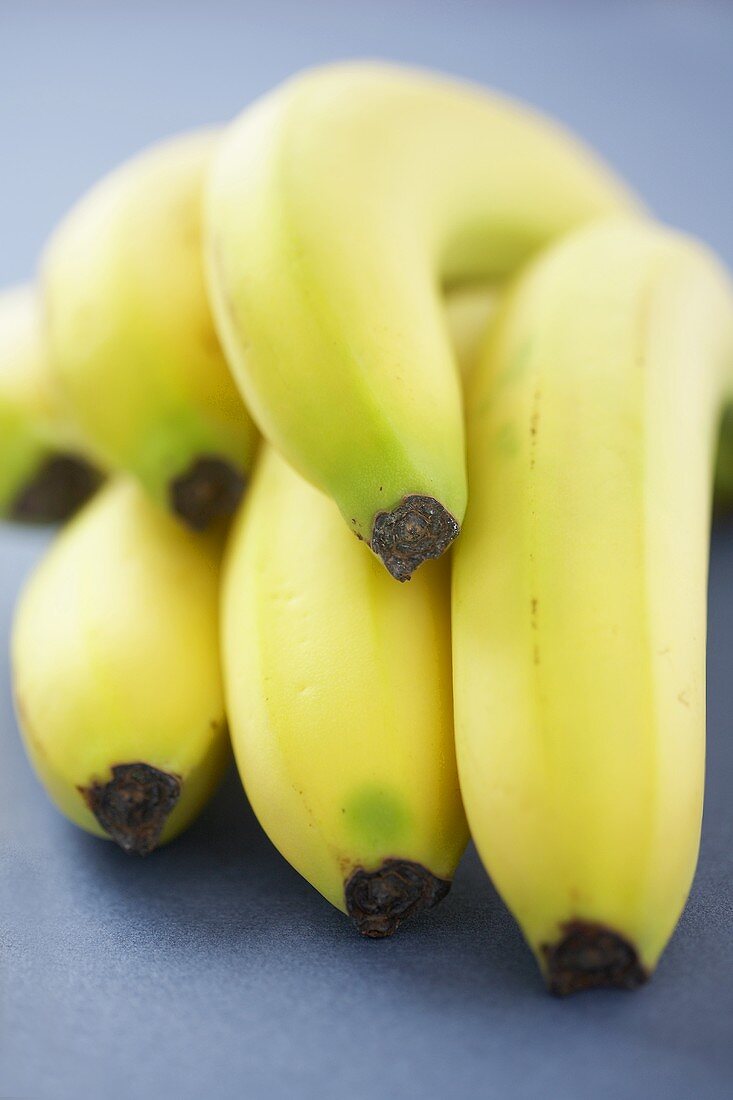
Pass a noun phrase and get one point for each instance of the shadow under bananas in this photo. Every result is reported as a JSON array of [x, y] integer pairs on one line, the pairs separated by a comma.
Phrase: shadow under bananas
[[222, 885], [221, 905], [220, 895]]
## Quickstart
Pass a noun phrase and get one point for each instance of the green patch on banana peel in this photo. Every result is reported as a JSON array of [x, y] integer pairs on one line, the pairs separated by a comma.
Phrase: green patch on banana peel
[[506, 442], [23, 452], [376, 817], [517, 366]]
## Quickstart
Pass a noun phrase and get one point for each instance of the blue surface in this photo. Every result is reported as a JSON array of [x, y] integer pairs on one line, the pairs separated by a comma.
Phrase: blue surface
[[211, 969]]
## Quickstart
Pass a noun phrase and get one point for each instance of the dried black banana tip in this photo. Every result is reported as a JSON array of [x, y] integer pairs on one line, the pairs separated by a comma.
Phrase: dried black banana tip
[[417, 529], [209, 488], [58, 488], [379, 901], [134, 805], [591, 956]]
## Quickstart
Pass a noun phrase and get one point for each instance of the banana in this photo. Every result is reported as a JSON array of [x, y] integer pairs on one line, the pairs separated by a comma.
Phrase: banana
[[116, 670], [469, 311], [45, 472], [131, 337], [579, 592], [339, 697], [336, 210]]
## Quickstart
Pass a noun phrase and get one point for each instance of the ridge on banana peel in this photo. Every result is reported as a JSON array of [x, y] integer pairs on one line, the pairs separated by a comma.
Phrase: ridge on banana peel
[[131, 337], [338, 208], [46, 472], [116, 670], [579, 593], [338, 688]]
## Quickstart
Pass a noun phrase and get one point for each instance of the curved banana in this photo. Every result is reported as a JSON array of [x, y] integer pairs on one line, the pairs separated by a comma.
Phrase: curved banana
[[579, 594], [132, 340], [337, 208], [338, 689], [116, 671], [45, 472]]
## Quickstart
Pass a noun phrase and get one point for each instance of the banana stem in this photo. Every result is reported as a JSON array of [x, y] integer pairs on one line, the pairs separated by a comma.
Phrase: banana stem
[[57, 489]]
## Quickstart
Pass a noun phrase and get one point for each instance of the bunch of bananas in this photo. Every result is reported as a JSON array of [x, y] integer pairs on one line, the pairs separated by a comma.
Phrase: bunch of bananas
[[286, 279]]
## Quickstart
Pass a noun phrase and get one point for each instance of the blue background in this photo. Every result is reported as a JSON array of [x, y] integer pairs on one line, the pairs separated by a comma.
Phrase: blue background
[[212, 969]]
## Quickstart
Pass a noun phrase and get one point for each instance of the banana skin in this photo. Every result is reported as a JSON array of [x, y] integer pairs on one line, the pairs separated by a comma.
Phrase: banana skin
[[116, 670], [345, 202], [339, 698], [46, 472], [469, 311], [131, 338], [579, 593]]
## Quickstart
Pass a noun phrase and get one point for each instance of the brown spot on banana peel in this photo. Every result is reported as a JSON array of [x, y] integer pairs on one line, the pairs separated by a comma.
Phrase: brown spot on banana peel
[[379, 901], [419, 528], [589, 955], [210, 488], [534, 424], [58, 488], [134, 805]]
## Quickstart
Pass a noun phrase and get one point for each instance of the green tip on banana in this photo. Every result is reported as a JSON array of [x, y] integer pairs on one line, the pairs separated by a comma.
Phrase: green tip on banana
[[45, 472], [338, 209]]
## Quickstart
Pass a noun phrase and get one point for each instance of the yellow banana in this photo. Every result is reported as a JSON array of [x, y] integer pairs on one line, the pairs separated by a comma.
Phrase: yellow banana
[[338, 691], [116, 670], [579, 593], [45, 470], [469, 311], [131, 336], [337, 209]]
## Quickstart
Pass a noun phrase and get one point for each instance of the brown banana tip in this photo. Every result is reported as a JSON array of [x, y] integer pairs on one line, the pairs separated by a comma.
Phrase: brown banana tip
[[208, 489], [58, 488], [134, 805], [591, 956], [419, 528], [379, 901]]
